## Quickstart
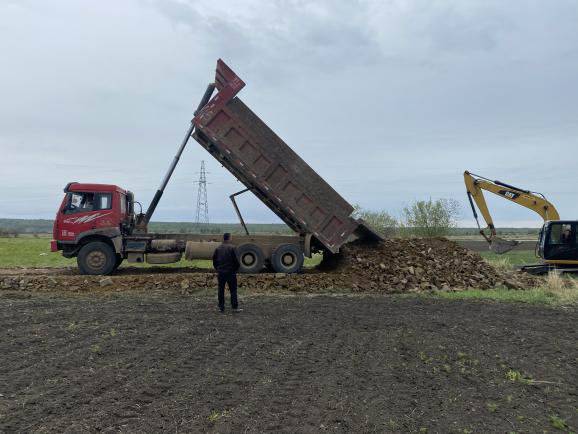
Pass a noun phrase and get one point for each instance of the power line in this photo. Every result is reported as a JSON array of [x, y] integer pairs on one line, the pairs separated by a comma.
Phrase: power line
[[202, 215]]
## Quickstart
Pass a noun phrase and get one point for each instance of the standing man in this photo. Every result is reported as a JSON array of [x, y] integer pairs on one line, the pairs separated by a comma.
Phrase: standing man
[[226, 263]]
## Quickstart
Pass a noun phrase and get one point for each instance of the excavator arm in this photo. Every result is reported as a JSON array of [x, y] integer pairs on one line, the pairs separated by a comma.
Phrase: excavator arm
[[475, 186]]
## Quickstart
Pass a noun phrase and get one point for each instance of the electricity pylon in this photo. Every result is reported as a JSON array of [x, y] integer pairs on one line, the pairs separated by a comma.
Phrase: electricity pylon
[[202, 216]]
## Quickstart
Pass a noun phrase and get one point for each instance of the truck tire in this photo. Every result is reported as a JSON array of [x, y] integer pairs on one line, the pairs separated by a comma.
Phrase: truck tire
[[96, 258], [287, 258], [251, 258]]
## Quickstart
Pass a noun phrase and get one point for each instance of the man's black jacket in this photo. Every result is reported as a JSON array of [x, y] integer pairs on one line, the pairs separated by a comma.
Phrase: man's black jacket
[[225, 259]]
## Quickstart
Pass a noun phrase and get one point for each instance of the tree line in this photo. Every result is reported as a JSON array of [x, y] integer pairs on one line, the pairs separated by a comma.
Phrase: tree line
[[422, 218]]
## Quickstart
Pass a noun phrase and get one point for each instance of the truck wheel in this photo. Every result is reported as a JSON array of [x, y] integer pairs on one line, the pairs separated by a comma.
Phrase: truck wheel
[[96, 258], [251, 258], [287, 258]]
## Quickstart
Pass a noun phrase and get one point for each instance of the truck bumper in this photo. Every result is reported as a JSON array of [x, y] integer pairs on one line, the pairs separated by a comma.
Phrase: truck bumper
[[53, 246]]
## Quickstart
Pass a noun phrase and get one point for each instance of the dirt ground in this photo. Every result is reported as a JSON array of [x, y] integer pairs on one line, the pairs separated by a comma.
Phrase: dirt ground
[[166, 362]]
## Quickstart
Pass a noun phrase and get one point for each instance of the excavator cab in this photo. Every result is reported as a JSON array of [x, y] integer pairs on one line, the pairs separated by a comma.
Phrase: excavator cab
[[558, 241]]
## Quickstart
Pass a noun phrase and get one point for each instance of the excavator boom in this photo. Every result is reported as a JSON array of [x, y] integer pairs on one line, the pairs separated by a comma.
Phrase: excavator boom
[[476, 185]]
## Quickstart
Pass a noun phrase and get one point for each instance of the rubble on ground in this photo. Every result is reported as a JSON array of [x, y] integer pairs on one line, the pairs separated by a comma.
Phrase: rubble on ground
[[398, 265], [392, 266]]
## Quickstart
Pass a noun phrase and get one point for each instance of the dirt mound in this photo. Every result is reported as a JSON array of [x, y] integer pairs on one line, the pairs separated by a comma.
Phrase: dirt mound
[[417, 264], [396, 265]]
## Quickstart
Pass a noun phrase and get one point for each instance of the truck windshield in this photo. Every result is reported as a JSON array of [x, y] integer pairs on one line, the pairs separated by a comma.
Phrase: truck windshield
[[86, 202]]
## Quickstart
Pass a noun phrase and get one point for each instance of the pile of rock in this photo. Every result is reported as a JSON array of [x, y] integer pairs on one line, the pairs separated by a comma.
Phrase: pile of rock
[[413, 265]]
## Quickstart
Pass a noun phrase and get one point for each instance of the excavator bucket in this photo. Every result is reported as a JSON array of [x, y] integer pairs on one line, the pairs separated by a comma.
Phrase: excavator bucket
[[500, 245]]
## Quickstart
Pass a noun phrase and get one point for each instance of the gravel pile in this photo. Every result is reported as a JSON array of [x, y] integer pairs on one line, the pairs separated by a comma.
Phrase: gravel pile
[[413, 265]]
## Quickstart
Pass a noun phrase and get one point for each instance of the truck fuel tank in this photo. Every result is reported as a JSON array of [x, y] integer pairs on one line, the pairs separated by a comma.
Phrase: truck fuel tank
[[200, 249]]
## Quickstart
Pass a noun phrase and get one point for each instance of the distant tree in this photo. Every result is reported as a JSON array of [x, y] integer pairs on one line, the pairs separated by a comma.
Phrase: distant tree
[[383, 222], [430, 218]]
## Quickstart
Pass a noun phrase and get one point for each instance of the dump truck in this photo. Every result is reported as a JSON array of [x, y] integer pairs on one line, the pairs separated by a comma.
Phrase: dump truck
[[98, 224]]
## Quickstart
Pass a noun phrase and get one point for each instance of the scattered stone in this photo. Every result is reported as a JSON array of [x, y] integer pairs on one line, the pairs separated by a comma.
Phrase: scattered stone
[[105, 281]]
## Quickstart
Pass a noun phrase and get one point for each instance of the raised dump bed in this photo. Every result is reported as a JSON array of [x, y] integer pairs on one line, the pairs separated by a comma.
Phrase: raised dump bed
[[269, 168]]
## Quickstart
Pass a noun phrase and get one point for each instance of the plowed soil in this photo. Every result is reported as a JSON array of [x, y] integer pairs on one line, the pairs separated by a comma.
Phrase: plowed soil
[[164, 362]]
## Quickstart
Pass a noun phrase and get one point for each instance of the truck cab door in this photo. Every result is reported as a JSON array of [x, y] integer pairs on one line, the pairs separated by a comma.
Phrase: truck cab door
[[85, 211], [560, 241]]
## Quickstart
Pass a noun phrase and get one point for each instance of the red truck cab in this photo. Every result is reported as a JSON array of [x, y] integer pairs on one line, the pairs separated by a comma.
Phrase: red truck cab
[[92, 213]]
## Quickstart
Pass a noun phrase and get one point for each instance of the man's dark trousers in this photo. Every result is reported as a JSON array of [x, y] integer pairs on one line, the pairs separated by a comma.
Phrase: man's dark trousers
[[231, 280]]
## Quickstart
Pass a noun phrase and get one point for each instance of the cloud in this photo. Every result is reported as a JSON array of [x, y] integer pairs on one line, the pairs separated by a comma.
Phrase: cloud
[[388, 100]]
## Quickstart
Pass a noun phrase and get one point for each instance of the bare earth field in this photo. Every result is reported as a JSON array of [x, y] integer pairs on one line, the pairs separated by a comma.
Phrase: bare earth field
[[164, 362]]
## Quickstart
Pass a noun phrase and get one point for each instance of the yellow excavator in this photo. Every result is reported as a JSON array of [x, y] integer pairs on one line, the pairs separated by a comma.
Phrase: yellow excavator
[[557, 244]]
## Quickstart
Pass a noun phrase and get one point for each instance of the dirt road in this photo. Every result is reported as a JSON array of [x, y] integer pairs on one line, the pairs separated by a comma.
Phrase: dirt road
[[138, 362]]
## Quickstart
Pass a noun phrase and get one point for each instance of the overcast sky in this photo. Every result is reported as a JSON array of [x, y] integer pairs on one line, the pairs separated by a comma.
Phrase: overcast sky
[[390, 101]]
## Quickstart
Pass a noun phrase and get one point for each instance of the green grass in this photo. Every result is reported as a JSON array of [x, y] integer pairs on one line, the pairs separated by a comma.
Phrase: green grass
[[33, 252], [30, 252], [546, 294], [534, 296], [517, 257]]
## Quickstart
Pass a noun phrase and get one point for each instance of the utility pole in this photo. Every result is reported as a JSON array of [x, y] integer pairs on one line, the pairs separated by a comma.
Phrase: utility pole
[[202, 215]]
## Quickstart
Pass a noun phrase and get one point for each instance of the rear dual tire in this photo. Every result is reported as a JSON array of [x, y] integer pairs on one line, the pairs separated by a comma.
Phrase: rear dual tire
[[251, 258], [287, 258]]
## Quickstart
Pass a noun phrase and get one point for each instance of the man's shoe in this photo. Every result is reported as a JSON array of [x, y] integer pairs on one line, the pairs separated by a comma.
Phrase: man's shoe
[[237, 309], [221, 310]]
